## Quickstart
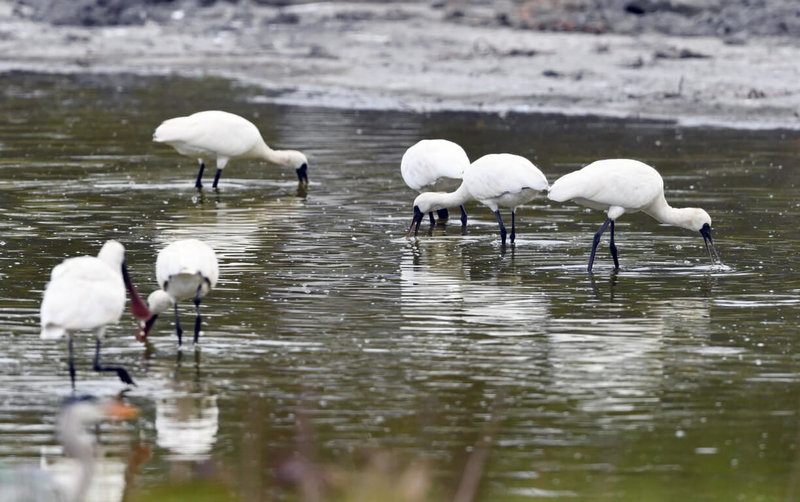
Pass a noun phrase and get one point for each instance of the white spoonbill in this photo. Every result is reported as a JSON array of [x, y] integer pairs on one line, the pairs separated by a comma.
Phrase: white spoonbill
[[496, 180], [88, 293], [429, 161], [209, 134], [186, 268], [620, 186]]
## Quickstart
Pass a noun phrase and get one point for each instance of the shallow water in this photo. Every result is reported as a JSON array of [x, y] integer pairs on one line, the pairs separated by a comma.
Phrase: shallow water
[[668, 380]]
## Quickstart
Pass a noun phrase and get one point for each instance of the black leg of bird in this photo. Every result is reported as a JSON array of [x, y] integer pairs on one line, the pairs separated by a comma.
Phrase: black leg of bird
[[613, 247], [596, 241], [443, 215], [121, 372], [502, 227], [199, 182], [513, 230], [197, 320], [71, 362], [216, 178], [178, 330], [463, 216], [433, 221]]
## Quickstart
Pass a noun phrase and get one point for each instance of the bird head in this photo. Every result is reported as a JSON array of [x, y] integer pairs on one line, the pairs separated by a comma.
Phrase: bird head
[[696, 218], [427, 202], [158, 301], [705, 231], [299, 162]]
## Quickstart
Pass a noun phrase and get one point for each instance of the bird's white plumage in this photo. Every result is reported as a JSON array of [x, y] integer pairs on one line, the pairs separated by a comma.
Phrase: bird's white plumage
[[623, 184], [429, 160], [618, 186], [186, 265], [85, 292], [504, 179], [210, 133]]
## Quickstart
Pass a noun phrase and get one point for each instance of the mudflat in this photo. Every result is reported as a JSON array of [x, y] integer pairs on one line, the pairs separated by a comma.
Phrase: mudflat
[[672, 61]]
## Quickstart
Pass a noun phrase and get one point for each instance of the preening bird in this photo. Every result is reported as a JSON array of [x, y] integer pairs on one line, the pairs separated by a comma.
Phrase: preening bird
[[620, 186], [186, 268], [73, 482], [224, 136], [496, 180], [429, 161], [88, 293]]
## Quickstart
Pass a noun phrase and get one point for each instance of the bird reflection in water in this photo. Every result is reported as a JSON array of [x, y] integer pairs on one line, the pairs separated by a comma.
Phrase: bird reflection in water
[[84, 474]]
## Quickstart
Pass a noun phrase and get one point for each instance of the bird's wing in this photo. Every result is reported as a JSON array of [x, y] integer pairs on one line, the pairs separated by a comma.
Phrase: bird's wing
[[615, 182], [497, 174], [429, 160], [187, 256], [84, 267], [84, 294], [212, 132]]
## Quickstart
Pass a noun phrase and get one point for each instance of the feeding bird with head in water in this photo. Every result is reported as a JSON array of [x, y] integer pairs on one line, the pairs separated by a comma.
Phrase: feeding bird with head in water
[[186, 268], [224, 136], [429, 164], [619, 186], [496, 180]]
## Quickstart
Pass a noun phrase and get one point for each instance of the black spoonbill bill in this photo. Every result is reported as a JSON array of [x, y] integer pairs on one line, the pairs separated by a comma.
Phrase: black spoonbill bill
[[224, 136], [430, 161], [88, 293], [619, 186], [496, 180], [73, 482], [186, 268]]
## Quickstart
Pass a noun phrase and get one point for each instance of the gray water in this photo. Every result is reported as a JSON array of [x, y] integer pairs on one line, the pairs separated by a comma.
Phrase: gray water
[[383, 359]]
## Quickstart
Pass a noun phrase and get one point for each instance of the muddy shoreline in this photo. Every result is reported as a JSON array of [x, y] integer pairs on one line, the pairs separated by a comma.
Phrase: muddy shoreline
[[422, 56]]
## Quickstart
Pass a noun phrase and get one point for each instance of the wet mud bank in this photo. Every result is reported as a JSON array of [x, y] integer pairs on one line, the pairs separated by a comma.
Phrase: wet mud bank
[[694, 63]]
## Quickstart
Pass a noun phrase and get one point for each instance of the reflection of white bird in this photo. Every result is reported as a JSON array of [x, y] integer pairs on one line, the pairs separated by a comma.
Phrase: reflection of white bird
[[429, 161], [88, 293], [186, 268], [496, 180], [224, 136], [187, 424], [620, 186], [67, 482]]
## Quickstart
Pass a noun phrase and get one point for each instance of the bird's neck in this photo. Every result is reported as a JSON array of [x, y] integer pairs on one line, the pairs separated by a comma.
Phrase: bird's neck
[[675, 216], [280, 157], [81, 449], [84, 479], [452, 199]]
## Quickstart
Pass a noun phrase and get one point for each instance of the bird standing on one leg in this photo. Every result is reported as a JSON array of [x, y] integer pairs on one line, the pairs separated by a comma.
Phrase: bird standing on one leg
[[187, 268], [88, 293], [224, 136], [620, 186]]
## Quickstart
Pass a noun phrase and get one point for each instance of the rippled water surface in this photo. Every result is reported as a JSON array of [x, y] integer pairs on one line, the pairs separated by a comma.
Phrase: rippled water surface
[[335, 350]]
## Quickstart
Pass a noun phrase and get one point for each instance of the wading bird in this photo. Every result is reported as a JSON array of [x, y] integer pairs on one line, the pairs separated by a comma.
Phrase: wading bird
[[224, 136], [88, 293], [620, 186], [430, 161], [186, 268], [495, 180], [67, 482]]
